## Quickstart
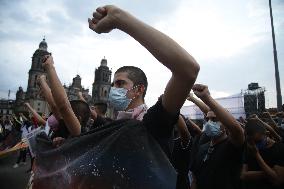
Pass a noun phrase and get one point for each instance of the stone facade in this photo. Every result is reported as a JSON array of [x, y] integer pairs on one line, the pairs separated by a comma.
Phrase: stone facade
[[74, 88], [102, 83]]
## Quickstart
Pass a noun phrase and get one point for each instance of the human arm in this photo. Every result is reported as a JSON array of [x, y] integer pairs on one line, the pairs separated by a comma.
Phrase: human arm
[[251, 175], [270, 129], [275, 174], [35, 114], [61, 99], [80, 96], [183, 131], [194, 127], [225, 117], [183, 67], [201, 105], [46, 92]]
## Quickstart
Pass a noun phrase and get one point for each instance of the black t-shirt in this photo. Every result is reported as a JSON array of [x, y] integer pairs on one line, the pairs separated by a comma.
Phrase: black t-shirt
[[122, 154], [221, 168], [180, 161], [100, 121], [273, 155]]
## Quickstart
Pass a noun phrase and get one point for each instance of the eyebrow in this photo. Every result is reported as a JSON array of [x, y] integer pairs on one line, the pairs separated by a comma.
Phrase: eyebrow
[[120, 81]]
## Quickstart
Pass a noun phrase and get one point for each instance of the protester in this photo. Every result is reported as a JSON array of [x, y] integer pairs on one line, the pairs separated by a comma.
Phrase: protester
[[117, 151], [263, 165], [217, 163]]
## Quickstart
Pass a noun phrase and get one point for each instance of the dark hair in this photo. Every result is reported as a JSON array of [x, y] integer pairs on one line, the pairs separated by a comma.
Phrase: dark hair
[[136, 75], [102, 107], [81, 109], [253, 126]]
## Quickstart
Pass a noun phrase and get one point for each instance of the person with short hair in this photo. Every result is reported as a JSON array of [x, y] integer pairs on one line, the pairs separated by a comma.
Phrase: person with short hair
[[217, 163], [129, 152], [263, 165]]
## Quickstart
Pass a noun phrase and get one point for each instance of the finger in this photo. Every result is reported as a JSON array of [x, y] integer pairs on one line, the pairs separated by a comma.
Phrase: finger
[[92, 25], [101, 10], [97, 15]]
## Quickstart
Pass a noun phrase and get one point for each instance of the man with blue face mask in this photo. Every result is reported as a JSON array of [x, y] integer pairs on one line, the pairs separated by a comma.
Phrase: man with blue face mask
[[133, 151], [217, 163]]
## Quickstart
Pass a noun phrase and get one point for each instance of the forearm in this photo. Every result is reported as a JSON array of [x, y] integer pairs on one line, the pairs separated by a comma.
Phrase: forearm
[[163, 48], [49, 98], [203, 107], [253, 175], [271, 130], [36, 115], [61, 100], [226, 118], [195, 127], [183, 131], [267, 170]]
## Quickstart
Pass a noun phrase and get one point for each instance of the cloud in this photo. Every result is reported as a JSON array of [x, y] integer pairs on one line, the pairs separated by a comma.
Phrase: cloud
[[231, 41]]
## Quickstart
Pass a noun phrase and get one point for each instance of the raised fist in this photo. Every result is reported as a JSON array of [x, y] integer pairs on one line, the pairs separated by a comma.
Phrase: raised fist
[[201, 91], [104, 19], [190, 97], [48, 60]]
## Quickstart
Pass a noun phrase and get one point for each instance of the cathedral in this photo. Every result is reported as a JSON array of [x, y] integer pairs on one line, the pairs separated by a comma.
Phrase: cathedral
[[101, 85]]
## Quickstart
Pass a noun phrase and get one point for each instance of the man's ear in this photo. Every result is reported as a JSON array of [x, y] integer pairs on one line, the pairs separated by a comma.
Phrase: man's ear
[[140, 90]]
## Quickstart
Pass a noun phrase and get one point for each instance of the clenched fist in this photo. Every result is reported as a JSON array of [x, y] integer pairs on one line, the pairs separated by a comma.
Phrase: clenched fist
[[104, 19], [201, 91]]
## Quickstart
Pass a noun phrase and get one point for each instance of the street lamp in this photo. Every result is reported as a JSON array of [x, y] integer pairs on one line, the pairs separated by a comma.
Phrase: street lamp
[[277, 77]]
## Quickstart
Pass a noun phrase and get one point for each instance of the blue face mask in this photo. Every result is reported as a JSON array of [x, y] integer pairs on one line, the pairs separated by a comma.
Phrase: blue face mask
[[212, 129], [118, 99], [261, 144]]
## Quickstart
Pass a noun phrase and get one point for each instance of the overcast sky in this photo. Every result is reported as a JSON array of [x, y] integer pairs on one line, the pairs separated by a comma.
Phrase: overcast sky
[[231, 40]]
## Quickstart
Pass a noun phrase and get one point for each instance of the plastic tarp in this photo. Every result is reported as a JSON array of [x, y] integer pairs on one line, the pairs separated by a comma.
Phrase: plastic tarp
[[234, 104]]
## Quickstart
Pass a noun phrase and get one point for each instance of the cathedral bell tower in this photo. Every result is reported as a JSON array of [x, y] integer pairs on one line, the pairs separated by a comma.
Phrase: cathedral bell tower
[[102, 83], [32, 94]]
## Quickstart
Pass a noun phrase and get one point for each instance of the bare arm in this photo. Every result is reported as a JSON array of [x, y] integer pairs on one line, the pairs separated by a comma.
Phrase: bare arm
[[183, 131], [182, 65], [80, 95], [61, 100], [270, 172], [251, 175], [271, 121], [24, 117], [225, 117], [201, 105], [35, 114], [195, 127], [48, 97], [270, 129]]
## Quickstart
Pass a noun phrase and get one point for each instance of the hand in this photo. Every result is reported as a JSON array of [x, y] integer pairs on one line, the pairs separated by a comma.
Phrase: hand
[[280, 114], [253, 116], [27, 104], [266, 115], [48, 61], [201, 91], [58, 141], [190, 97], [80, 95], [93, 112], [251, 147], [104, 19]]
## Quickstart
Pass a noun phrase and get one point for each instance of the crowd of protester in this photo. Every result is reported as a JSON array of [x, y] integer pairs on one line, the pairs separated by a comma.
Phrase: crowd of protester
[[143, 147]]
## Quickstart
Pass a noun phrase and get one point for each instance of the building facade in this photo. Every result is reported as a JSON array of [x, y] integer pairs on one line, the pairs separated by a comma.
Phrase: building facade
[[102, 83], [32, 95], [73, 89]]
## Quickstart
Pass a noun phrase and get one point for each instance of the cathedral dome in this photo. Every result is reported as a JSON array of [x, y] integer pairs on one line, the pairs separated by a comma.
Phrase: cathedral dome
[[43, 45]]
